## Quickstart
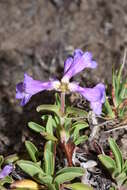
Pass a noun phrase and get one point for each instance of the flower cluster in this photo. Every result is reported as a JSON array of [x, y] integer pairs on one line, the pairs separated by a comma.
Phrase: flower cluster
[[73, 65]]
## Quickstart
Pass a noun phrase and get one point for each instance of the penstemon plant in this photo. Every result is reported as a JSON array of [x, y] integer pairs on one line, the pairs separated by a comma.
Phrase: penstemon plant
[[63, 124]]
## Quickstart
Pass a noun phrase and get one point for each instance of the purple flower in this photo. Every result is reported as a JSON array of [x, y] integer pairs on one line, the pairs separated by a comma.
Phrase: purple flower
[[72, 66], [26, 89], [6, 171], [77, 63], [95, 95]]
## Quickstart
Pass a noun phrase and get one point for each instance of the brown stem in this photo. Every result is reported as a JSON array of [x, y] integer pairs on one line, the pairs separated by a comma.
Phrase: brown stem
[[68, 149]]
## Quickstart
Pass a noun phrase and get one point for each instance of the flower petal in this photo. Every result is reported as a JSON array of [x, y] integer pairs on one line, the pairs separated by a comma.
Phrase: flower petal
[[96, 107], [19, 90], [6, 171], [67, 64], [80, 61], [95, 95], [25, 90]]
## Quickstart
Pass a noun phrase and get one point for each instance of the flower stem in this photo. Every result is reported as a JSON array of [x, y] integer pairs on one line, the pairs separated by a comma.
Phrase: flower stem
[[67, 146]]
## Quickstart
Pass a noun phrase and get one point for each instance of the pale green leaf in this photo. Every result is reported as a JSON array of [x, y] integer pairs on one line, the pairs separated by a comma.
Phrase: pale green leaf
[[32, 150], [36, 127]]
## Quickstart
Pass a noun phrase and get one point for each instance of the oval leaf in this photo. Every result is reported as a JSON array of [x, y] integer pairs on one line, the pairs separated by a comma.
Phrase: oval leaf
[[11, 159], [30, 168], [108, 162], [32, 150], [36, 127], [67, 176], [71, 169]]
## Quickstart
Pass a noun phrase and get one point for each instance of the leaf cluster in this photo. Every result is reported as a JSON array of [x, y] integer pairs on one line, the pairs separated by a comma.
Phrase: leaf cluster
[[116, 166], [117, 107]]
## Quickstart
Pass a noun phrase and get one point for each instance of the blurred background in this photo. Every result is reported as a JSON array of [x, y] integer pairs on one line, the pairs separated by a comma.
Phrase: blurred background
[[37, 35]]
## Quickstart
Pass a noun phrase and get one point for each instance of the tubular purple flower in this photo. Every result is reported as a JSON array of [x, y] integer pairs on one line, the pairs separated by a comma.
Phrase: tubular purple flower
[[95, 95], [25, 90], [6, 171], [76, 64]]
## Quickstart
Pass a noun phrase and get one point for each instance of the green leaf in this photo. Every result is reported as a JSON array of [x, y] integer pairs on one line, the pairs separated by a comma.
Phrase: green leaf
[[1, 160], [123, 91], [5, 180], [11, 159], [36, 127], [115, 87], [49, 158], [125, 166], [117, 154], [81, 139], [121, 178], [32, 150], [80, 125], [49, 125], [108, 162], [64, 177], [49, 108], [78, 186], [48, 136], [43, 179], [76, 112], [67, 123], [109, 108], [30, 168], [57, 98], [115, 173], [51, 187], [71, 169], [77, 127]]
